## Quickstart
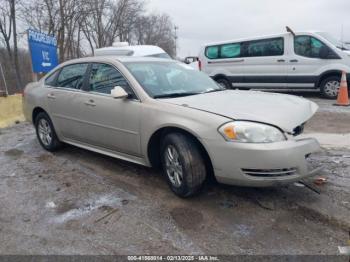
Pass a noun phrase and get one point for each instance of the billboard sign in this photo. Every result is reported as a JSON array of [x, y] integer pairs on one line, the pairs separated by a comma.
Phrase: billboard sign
[[43, 51]]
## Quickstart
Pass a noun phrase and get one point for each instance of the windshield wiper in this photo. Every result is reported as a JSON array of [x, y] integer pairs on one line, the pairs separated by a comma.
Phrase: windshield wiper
[[174, 95], [214, 90], [343, 48]]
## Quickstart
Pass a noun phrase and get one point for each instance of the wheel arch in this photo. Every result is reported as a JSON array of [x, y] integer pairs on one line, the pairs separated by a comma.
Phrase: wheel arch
[[154, 144], [220, 76], [37, 110], [326, 74]]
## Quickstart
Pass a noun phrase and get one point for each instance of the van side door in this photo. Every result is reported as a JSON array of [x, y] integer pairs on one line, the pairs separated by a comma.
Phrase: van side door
[[265, 63]]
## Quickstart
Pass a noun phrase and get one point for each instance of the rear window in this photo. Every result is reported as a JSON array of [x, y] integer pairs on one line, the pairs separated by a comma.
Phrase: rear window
[[72, 76], [51, 79], [212, 52]]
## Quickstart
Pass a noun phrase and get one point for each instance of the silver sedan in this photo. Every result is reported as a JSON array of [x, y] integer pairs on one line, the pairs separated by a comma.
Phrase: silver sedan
[[162, 113]]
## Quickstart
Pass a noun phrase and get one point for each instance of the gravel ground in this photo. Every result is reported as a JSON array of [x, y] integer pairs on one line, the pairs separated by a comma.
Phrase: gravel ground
[[79, 202]]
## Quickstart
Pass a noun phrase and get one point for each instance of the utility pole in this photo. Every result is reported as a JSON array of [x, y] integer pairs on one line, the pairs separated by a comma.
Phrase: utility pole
[[176, 37]]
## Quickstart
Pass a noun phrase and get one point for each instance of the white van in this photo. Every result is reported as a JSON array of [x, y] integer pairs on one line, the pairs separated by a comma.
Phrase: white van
[[124, 49], [307, 60]]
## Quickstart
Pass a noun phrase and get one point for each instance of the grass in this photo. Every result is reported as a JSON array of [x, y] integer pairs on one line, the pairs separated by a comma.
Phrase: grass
[[10, 110]]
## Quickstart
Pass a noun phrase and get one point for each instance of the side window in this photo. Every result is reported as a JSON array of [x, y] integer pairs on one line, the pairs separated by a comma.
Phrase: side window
[[230, 51], [105, 77], [308, 46], [212, 52], [51, 79], [72, 76], [266, 47]]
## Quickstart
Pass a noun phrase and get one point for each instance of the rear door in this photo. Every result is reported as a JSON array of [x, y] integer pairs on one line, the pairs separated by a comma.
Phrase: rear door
[[63, 100], [265, 63]]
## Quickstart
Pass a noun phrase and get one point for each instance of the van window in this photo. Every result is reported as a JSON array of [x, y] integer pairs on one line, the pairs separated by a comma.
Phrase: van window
[[265, 47], [230, 51], [72, 76], [212, 52], [308, 46]]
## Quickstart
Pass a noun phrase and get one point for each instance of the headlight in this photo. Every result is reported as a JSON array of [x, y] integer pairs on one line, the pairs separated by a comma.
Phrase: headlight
[[250, 132]]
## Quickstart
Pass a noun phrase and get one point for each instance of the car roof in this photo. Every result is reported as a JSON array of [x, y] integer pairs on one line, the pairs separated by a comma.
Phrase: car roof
[[122, 59], [138, 50]]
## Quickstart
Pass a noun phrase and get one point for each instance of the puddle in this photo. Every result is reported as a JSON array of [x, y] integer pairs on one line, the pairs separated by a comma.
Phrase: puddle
[[44, 157], [14, 152], [187, 218]]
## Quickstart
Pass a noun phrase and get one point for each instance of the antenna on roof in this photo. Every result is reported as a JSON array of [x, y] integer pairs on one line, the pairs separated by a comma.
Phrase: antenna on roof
[[289, 30]]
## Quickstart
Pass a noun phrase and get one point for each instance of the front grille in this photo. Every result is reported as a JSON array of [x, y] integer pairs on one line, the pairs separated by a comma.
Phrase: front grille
[[298, 130], [270, 172]]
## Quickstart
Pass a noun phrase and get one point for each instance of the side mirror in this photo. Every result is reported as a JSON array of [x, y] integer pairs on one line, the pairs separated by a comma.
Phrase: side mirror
[[324, 52], [119, 93]]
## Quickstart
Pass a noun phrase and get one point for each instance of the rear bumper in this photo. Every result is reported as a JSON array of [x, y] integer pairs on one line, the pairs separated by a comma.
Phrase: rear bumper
[[263, 165]]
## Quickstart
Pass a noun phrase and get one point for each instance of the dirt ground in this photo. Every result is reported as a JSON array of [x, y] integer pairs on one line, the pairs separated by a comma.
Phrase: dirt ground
[[79, 202]]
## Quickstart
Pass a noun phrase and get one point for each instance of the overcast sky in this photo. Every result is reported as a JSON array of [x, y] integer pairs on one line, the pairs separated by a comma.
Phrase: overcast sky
[[203, 21]]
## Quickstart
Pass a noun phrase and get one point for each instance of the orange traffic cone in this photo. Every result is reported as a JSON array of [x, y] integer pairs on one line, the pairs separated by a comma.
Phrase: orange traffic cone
[[343, 95]]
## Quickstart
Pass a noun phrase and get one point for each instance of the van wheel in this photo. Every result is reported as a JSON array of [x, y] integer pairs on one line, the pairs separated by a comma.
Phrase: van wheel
[[224, 83], [330, 87], [183, 164], [46, 133]]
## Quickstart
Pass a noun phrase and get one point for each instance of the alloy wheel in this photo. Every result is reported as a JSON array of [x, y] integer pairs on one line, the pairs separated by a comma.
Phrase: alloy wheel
[[45, 132], [173, 166]]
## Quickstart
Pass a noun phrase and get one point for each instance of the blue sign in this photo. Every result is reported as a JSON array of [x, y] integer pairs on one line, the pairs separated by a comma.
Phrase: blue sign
[[43, 50]]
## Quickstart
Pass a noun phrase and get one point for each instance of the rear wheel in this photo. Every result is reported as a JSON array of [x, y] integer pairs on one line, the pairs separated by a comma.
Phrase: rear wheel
[[330, 87], [224, 83], [183, 164], [46, 133]]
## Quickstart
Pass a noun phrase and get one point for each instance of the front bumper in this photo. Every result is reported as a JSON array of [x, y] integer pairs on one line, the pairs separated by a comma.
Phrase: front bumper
[[262, 165]]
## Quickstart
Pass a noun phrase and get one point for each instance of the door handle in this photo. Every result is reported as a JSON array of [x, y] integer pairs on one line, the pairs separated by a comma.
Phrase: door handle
[[294, 61], [90, 103], [51, 96], [281, 60]]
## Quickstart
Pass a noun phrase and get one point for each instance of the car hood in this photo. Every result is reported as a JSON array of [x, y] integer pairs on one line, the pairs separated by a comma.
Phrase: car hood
[[284, 111]]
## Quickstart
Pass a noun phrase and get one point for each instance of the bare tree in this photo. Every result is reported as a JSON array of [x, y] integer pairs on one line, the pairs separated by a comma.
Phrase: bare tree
[[8, 30], [108, 20], [156, 30]]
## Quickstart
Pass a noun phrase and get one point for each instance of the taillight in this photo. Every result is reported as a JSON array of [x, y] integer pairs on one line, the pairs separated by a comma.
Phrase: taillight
[[200, 65]]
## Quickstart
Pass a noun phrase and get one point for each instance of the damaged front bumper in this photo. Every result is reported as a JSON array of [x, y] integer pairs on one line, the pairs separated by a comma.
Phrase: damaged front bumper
[[263, 165]]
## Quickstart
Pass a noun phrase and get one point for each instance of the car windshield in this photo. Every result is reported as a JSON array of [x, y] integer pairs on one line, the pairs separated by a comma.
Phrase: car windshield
[[171, 79], [334, 41]]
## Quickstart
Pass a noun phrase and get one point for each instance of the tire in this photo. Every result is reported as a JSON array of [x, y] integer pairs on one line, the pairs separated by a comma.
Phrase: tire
[[328, 87], [188, 159], [46, 133], [223, 82]]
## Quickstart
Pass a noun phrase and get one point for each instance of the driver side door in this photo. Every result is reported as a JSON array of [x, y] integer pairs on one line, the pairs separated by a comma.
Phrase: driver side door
[[109, 123]]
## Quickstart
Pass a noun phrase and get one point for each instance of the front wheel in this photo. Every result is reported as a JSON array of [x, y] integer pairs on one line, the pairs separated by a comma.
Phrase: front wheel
[[224, 83], [330, 87], [183, 164]]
